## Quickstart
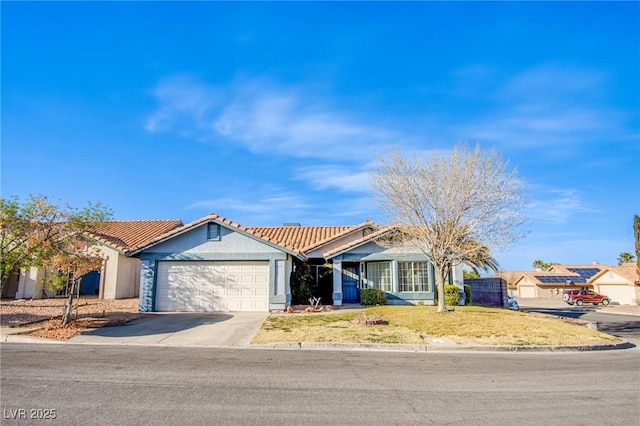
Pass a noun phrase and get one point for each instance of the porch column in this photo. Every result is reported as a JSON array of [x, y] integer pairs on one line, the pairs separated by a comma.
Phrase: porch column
[[337, 282]]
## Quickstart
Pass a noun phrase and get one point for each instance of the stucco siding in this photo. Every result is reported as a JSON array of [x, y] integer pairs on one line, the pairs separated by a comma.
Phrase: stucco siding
[[30, 285], [334, 244], [195, 242], [232, 246]]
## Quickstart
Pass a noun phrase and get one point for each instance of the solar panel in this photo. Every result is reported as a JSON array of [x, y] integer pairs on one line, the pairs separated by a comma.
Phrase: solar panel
[[585, 273], [556, 278]]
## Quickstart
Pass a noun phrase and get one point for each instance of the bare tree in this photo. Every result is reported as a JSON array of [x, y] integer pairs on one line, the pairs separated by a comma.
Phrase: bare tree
[[451, 207]]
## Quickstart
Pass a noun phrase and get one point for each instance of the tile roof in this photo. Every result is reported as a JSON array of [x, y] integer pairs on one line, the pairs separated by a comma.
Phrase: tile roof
[[557, 274], [511, 277], [213, 217], [628, 271], [129, 235], [360, 241], [306, 238]]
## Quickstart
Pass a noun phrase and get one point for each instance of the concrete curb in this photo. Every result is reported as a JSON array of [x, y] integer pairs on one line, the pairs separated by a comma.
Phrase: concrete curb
[[301, 346], [378, 347]]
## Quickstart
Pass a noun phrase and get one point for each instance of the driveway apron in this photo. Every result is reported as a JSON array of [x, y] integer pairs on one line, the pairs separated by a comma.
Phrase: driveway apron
[[181, 329]]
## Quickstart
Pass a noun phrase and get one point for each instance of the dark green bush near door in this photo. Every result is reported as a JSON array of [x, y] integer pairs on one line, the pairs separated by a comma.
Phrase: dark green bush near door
[[372, 296]]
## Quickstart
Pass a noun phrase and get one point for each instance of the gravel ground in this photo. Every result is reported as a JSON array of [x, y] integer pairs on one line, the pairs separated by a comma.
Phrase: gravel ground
[[45, 315]]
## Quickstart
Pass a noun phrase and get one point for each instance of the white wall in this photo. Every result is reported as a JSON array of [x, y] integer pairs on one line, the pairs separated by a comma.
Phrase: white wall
[[30, 284], [120, 275]]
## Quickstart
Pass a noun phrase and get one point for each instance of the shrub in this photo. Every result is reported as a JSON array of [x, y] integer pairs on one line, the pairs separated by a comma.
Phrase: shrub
[[301, 283], [372, 296], [467, 295], [451, 295]]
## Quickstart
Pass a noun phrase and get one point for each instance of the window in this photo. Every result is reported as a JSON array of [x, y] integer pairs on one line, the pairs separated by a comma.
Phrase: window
[[413, 276], [379, 275], [213, 231]]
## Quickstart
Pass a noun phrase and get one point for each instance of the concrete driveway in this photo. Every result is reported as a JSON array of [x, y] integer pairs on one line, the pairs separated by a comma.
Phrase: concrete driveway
[[226, 329]]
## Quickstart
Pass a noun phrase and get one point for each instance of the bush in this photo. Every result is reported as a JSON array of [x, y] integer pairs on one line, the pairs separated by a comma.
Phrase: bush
[[467, 295], [451, 295], [301, 283], [372, 296]]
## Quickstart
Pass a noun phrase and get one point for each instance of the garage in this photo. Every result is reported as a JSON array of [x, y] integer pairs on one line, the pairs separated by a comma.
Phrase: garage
[[619, 294], [527, 292], [212, 286]]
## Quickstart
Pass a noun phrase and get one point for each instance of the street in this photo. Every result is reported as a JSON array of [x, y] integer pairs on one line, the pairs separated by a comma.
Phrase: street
[[624, 326], [105, 385]]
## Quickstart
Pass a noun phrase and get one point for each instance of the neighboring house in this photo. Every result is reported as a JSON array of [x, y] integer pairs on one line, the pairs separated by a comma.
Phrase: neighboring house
[[403, 273], [120, 274], [620, 283], [551, 283], [511, 277]]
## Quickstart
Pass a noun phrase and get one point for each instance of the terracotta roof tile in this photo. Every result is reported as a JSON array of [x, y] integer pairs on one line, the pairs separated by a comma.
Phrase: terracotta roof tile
[[130, 235], [213, 217], [628, 271], [360, 241], [306, 238]]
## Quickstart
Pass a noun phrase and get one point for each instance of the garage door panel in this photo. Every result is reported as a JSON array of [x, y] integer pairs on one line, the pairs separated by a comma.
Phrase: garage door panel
[[212, 286], [622, 294]]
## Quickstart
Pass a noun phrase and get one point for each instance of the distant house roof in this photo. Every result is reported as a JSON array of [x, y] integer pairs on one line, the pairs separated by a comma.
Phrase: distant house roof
[[129, 235], [628, 271], [511, 277], [557, 274], [307, 238]]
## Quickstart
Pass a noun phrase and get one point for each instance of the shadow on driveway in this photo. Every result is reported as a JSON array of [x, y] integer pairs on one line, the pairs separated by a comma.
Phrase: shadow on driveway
[[181, 329]]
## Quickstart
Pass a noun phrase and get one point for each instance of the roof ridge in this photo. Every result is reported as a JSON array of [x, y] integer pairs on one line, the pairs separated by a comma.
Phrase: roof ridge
[[362, 240], [220, 219]]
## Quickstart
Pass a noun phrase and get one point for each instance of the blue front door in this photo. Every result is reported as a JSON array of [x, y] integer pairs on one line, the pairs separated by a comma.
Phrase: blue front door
[[350, 283]]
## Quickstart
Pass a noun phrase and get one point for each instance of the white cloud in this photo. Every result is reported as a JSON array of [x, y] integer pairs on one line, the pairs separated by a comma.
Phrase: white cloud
[[547, 106], [558, 206], [333, 176], [253, 209], [184, 105], [265, 118]]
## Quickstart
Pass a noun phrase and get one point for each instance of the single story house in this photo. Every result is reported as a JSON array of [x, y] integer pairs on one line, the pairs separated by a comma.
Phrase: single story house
[[620, 283], [404, 273], [551, 283], [214, 264], [119, 276]]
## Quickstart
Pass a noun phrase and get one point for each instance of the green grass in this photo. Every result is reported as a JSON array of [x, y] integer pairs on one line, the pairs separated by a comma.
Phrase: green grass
[[416, 324]]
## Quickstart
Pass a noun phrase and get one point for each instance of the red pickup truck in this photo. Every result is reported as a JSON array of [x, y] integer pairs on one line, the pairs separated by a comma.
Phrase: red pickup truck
[[580, 297]]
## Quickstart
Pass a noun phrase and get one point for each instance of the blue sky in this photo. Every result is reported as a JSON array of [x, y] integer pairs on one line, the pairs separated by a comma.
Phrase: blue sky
[[273, 112]]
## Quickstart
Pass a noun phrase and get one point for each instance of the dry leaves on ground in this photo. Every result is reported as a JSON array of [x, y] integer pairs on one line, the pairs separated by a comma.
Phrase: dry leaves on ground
[[45, 314]]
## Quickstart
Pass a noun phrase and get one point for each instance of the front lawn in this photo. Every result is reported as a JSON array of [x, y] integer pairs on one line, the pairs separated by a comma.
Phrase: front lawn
[[473, 325]]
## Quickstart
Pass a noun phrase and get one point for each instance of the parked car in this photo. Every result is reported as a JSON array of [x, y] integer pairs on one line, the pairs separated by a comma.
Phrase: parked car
[[580, 297], [512, 304]]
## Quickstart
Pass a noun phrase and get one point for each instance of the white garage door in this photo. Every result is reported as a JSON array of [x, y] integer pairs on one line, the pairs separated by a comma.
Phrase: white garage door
[[212, 286], [527, 292], [622, 294]]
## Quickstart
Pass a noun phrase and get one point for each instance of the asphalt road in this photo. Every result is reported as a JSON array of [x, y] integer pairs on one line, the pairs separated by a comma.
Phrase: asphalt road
[[105, 385], [624, 326]]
